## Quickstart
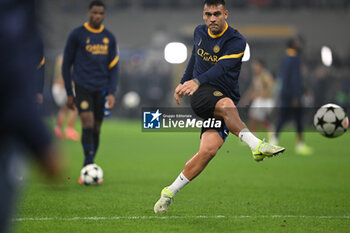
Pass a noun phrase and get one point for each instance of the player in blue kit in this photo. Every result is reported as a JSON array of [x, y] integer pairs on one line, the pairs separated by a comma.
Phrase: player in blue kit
[[22, 131], [291, 94], [211, 79], [91, 50]]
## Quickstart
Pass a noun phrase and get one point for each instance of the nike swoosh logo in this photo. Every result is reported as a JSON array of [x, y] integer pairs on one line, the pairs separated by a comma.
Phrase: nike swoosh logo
[[200, 42], [181, 178]]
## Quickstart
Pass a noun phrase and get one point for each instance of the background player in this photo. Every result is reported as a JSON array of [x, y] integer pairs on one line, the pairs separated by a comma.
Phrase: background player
[[64, 113], [91, 50], [260, 94], [21, 127], [211, 79], [291, 94]]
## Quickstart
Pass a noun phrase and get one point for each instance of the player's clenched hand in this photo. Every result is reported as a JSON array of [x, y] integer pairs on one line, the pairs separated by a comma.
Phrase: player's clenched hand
[[189, 87], [39, 98], [295, 103], [176, 94], [70, 102], [110, 100]]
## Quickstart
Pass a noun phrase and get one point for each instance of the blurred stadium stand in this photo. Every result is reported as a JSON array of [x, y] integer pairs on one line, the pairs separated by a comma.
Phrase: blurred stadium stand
[[244, 4], [144, 27]]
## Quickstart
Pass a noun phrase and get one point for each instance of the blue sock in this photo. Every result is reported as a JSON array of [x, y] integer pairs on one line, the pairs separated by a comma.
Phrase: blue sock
[[89, 153], [96, 140], [88, 146]]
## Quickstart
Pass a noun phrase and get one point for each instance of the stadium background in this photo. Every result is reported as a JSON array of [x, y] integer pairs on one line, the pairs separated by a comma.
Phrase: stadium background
[[144, 27], [289, 193]]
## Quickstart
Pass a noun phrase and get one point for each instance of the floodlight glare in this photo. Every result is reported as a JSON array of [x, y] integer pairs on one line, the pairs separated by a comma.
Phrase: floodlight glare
[[326, 55], [246, 55], [175, 53]]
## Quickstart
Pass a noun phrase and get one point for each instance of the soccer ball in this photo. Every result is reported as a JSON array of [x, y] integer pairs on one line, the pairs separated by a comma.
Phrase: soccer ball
[[91, 174], [331, 120]]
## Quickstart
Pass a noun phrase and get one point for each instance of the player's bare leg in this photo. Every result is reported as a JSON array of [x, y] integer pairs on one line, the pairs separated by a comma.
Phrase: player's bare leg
[[87, 119], [225, 109], [211, 142], [70, 131], [59, 122], [72, 115]]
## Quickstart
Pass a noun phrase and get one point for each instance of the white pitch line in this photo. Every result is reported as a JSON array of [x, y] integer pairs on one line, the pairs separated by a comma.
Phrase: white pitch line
[[173, 217]]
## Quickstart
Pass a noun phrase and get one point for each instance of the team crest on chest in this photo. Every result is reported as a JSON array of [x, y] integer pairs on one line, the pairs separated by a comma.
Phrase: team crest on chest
[[88, 40], [217, 93], [216, 49], [105, 40]]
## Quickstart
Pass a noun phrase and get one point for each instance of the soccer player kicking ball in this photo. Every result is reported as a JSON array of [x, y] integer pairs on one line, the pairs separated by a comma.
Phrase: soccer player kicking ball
[[211, 79], [91, 50]]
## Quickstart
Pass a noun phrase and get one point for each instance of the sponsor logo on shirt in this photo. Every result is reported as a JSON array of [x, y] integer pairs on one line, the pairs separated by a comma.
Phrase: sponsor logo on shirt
[[97, 49], [207, 56]]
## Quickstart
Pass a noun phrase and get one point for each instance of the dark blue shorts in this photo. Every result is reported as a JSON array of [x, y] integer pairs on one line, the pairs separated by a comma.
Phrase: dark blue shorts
[[89, 101], [203, 103]]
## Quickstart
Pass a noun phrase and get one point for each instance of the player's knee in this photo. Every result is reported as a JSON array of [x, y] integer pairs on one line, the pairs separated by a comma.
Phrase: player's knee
[[209, 152], [97, 126], [87, 120], [224, 107], [225, 103]]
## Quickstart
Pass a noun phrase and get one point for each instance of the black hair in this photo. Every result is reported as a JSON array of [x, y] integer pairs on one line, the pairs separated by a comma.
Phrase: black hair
[[291, 43], [96, 3], [295, 43], [214, 2]]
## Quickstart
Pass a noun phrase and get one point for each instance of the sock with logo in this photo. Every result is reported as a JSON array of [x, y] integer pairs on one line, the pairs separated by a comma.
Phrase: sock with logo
[[246, 136], [87, 140], [178, 184]]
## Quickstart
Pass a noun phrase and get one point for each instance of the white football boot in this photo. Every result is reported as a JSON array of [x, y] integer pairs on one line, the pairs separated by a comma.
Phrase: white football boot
[[162, 205]]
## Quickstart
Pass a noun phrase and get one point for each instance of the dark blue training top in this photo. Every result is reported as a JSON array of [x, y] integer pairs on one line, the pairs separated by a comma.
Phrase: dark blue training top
[[93, 54], [19, 118], [291, 75], [217, 59]]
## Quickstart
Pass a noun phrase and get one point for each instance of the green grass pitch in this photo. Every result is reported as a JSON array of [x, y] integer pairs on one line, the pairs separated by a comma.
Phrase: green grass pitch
[[288, 193]]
